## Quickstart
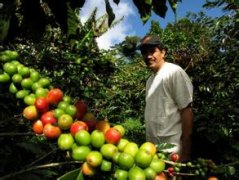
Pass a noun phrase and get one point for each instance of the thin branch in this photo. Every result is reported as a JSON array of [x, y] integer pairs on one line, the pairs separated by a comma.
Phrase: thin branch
[[41, 158], [189, 64], [181, 173], [39, 167], [174, 163], [230, 164], [52, 62]]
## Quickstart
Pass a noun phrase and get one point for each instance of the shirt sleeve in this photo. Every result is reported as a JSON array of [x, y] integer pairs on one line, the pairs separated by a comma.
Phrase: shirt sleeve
[[182, 89]]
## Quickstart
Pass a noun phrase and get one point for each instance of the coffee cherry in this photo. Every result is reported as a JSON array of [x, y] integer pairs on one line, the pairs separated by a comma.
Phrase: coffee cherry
[[174, 157]]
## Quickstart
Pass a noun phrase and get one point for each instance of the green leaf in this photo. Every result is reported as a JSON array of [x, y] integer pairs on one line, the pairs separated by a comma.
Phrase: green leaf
[[164, 146], [149, 2], [173, 5], [144, 10], [80, 176], [116, 1], [160, 8], [72, 175], [72, 21], [110, 12]]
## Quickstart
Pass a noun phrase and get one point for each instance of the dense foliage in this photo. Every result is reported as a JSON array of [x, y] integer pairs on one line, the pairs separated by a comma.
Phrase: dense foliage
[[112, 82], [30, 18]]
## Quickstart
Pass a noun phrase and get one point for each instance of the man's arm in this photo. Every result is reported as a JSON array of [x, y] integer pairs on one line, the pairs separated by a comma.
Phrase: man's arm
[[187, 126]]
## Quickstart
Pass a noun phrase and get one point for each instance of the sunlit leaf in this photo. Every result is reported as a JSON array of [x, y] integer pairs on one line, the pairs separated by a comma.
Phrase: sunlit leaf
[[164, 146], [72, 21]]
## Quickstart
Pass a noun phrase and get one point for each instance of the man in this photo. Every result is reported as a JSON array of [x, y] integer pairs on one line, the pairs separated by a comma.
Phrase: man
[[169, 94]]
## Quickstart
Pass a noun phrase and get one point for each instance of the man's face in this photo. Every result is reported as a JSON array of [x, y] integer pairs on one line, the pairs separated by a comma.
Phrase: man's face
[[153, 57]]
